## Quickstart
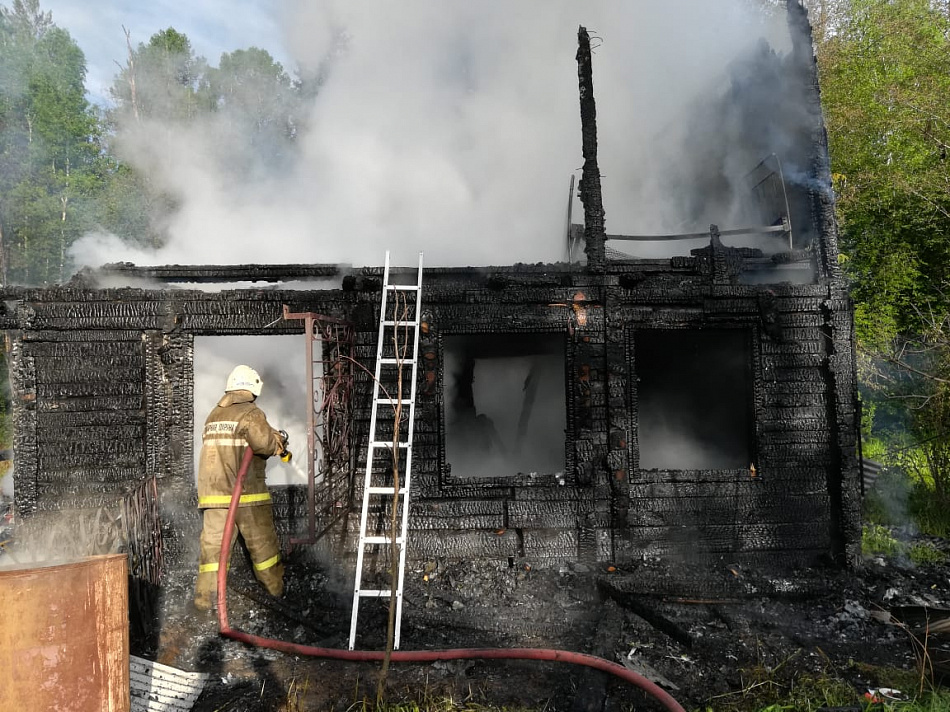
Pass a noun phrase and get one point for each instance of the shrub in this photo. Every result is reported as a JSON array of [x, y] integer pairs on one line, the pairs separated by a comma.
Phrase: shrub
[[878, 540]]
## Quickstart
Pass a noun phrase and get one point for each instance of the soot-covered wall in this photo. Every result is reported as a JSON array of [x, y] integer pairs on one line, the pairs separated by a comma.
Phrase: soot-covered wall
[[103, 381]]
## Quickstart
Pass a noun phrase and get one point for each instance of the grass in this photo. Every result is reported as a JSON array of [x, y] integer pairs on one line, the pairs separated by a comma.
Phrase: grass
[[766, 690], [296, 693], [902, 496], [808, 694], [907, 492], [446, 704], [937, 701], [926, 553], [416, 700], [780, 687], [931, 515], [813, 693], [879, 540]]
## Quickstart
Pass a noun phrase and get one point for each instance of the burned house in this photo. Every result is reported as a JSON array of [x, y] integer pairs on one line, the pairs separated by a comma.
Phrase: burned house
[[610, 407]]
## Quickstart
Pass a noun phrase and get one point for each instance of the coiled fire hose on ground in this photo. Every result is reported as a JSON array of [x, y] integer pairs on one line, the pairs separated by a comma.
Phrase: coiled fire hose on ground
[[407, 656]]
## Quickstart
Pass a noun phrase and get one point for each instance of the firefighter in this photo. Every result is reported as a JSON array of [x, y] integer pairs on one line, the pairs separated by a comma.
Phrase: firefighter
[[235, 424]]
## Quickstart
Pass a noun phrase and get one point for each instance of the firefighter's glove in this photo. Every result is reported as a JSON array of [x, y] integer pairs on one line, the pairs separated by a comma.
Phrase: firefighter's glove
[[284, 454]]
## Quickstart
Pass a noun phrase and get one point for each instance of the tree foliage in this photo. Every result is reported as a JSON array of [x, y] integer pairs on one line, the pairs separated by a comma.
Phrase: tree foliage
[[885, 71], [258, 101], [48, 145], [161, 80], [63, 170]]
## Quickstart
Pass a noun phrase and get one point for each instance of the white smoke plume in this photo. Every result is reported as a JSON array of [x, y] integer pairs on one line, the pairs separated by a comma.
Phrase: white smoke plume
[[453, 128]]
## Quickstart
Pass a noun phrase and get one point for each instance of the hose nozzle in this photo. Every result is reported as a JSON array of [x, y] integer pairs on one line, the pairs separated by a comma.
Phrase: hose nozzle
[[285, 455]]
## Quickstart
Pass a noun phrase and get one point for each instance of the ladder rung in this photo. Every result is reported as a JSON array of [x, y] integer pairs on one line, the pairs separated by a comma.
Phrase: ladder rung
[[394, 401], [382, 540], [395, 361], [385, 443], [385, 490], [375, 593], [404, 287], [398, 323]]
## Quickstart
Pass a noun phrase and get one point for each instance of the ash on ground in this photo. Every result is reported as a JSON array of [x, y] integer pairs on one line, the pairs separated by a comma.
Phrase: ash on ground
[[712, 636]]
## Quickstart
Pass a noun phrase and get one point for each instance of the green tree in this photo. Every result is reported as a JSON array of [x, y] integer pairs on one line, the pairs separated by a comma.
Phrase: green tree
[[250, 83], [885, 74], [129, 207], [161, 80], [885, 71], [256, 95], [162, 86], [48, 146], [242, 112], [258, 103]]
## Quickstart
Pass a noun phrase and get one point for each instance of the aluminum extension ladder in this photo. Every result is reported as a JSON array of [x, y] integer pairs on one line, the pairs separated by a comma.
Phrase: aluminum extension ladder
[[389, 366]]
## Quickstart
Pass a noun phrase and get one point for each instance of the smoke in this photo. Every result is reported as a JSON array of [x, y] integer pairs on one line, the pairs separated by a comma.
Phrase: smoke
[[48, 539], [687, 420], [504, 405], [453, 128]]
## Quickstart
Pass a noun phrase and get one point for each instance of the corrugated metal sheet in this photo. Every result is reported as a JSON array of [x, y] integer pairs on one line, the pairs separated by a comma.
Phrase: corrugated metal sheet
[[160, 688], [870, 472]]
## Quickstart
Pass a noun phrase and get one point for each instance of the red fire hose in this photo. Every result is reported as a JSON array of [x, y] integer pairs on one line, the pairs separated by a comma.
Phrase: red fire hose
[[414, 656]]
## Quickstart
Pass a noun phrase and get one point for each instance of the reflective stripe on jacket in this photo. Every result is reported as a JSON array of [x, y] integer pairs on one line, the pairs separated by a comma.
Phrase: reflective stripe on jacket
[[234, 424]]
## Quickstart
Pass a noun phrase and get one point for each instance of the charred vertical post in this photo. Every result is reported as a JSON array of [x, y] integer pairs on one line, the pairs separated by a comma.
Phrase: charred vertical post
[[822, 200], [24, 416], [838, 320], [591, 196]]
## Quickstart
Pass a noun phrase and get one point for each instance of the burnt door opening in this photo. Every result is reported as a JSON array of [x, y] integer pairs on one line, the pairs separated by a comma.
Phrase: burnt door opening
[[284, 397], [504, 404], [694, 399]]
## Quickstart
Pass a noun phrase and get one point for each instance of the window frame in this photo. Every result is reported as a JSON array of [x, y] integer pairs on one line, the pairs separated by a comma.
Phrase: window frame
[[754, 399], [448, 480]]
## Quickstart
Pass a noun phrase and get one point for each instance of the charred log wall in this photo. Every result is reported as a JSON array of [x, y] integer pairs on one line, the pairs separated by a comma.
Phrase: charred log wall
[[546, 517], [793, 502], [80, 418], [103, 384], [788, 506]]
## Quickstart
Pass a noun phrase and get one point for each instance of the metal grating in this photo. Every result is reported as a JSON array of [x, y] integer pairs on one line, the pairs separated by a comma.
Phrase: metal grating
[[159, 688]]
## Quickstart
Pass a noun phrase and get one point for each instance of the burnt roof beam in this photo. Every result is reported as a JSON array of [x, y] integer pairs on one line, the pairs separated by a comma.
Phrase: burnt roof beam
[[225, 273]]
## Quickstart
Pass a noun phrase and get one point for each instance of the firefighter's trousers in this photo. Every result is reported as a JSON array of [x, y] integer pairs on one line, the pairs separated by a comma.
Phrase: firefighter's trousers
[[256, 526]]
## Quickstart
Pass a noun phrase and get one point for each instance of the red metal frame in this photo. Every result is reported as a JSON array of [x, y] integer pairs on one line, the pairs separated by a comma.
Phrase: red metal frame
[[330, 375]]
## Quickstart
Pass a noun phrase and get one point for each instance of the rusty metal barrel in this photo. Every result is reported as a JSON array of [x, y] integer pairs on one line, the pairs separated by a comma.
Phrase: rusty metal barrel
[[64, 636]]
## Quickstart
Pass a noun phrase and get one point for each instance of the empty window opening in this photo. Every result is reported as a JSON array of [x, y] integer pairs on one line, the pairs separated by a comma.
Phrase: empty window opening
[[281, 363], [504, 404], [694, 395]]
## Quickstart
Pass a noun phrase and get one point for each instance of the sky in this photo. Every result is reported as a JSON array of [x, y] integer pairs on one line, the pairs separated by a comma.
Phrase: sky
[[213, 26]]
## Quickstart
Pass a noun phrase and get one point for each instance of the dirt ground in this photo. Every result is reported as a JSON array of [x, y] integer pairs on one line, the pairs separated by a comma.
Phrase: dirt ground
[[720, 637]]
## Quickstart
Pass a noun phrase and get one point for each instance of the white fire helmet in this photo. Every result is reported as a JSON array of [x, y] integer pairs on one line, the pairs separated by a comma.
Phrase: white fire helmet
[[244, 378]]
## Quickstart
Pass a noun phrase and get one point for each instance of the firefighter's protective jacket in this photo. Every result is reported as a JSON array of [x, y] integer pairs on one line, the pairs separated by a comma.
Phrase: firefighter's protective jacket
[[234, 424]]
